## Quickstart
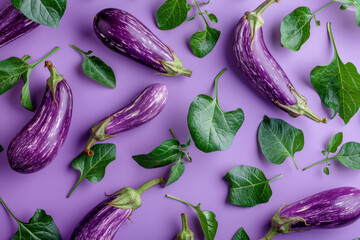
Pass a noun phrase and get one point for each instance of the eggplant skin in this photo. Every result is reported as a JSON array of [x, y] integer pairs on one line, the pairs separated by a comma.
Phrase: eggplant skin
[[333, 208], [102, 222], [13, 24], [38, 143]]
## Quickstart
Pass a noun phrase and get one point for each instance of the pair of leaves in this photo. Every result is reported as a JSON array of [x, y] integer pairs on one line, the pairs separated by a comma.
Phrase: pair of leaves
[[338, 85], [93, 167], [40, 226], [241, 235], [97, 69], [210, 127], [248, 186], [166, 153], [207, 219], [45, 12], [172, 13], [279, 140]]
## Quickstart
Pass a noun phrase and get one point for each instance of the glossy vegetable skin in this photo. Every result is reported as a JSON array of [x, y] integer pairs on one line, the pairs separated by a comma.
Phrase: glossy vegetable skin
[[105, 219], [13, 24], [123, 33], [263, 72], [38, 143], [333, 208], [142, 109]]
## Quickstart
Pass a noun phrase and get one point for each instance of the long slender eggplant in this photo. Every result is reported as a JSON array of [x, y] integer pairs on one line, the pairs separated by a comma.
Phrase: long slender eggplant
[[258, 65], [38, 143], [333, 208], [142, 109], [105, 219], [123, 33], [13, 24]]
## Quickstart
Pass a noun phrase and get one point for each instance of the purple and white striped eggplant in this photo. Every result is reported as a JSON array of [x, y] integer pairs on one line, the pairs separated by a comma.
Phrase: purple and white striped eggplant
[[258, 65], [106, 218], [13, 24], [123, 33], [142, 109], [38, 143], [333, 208]]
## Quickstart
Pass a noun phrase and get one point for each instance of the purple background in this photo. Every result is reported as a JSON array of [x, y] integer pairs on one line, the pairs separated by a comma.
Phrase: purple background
[[159, 217]]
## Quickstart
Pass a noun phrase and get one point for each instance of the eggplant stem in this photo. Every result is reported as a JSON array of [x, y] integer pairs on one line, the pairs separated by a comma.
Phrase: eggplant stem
[[87, 151], [184, 220], [8, 210], [148, 185], [272, 233]]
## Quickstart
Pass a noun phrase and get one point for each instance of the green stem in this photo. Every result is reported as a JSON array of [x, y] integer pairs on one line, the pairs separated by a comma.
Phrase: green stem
[[26, 58], [216, 84], [280, 176], [184, 220], [7, 209], [78, 49], [42, 59], [332, 38], [178, 199], [148, 185], [325, 160], [172, 132], [200, 12], [295, 162], [272, 233], [323, 8], [260, 9], [73, 189]]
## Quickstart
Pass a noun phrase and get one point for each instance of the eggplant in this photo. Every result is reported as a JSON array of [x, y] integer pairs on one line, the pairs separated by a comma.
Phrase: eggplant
[[142, 109], [104, 220], [38, 143], [123, 33], [333, 208], [258, 66], [13, 24]]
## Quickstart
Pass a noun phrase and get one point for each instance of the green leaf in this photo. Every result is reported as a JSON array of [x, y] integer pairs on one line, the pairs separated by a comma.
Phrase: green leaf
[[210, 127], [93, 167], [97, 69], [176, 172], [166, 153], [171, 14], [349, 155], [1, 148], [11, 70], [213, 18], [203, 42], [25, 92], [323, 152], [248, 186], [326, 170], [241, 235], [295, 28], [338, 85], [279, 140], [344, 6], [356, 3], [45, 12], [335, 142], [189, 7]]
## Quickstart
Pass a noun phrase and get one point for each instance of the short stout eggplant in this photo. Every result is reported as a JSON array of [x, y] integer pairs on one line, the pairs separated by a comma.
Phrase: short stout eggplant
[[142, 109], [263, 72], [37, 144], [333, 208], [123, 33], [105, 219], [13, 24]]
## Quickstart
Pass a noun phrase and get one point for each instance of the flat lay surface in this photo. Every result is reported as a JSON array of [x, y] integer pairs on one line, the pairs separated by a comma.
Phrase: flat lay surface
[[203, 180]]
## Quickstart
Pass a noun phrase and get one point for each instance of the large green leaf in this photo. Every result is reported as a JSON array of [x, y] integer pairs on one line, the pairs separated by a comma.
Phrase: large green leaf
[[203, 42], [349, 155], [241, 235], [279, 140], [171, 14], [11, 70]]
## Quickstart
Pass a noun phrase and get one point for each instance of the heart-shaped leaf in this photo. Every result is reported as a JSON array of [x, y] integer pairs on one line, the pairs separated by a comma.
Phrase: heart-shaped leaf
[[203, 42]]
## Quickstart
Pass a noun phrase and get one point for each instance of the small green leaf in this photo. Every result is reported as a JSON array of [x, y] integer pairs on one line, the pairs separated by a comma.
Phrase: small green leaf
[[1, 148], [295, 28], [248, 186], [93, 167], [335, 142], [172, 13], [189, 7], [11, 70], [349, 155], [241, 235], [356, 3], [323, 152], [326, 170], [204, 3], [176, 172], [189, 19], [203, 42], [279, 140], [25, 92], [166, 153], [213, 18], [344, 6], [45, 12]]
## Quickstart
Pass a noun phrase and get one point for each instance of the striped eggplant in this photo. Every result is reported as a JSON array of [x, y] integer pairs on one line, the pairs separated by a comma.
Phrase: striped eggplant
[[123, 33], [258, 65], [142, 109], [333, 208], [13, 24], [38, 143], [105, 219]]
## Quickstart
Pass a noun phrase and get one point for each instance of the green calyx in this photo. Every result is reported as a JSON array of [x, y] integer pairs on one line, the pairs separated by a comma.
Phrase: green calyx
[[130, 198], [53, 80], [186, 233], [97, 133], [255, 19], [283, 225], [300, 108], [174, 68]]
